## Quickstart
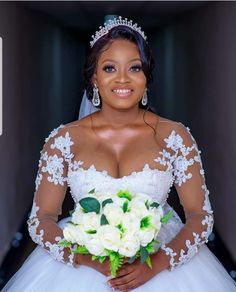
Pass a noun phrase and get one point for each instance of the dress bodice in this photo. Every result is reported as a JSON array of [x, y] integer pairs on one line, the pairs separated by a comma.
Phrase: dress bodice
[[154, 182], [60, 167]]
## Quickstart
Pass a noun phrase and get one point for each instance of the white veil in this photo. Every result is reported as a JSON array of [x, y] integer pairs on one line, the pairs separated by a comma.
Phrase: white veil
[[86, 107]]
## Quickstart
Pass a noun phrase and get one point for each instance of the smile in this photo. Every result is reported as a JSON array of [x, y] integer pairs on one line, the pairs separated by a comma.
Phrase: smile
[[122, 92]]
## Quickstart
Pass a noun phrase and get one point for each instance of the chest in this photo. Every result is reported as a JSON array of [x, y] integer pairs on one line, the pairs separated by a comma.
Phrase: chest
[[120, 153]]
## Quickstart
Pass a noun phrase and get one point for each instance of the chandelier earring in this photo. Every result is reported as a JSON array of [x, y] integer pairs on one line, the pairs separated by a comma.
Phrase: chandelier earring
[[144, 98], [96, 98]]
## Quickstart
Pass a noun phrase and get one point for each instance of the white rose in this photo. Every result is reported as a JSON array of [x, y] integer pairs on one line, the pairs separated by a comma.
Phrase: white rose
[[119, 201], [77, 215], [156, 215], [146, 236], [103, 196], [143, 197], [69, 233], [129, 245], [138, 208], [131, 222], [109, 237], [90, 221], [74, 234], [95, 247], [113, 213]]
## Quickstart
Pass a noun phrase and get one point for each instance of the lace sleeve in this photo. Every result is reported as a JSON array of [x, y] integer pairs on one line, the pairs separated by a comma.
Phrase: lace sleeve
[[51, 186], [190, 184]]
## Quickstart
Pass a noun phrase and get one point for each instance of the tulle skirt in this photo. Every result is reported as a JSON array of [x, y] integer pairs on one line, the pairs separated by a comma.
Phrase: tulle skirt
[[41, 273]]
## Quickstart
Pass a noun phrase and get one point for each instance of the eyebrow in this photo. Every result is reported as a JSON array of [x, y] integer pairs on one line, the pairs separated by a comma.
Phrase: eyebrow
[[113, 61]]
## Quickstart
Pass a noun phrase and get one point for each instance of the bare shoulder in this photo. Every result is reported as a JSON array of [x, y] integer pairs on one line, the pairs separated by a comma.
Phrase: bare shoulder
[[167, 127], [78, 126]]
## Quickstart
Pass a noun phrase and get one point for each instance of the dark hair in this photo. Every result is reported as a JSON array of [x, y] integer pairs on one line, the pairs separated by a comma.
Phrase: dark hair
[[118, 32]]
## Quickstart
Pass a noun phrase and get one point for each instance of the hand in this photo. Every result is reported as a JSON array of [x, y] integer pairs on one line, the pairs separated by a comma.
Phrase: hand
[[86, 260], [130, 276]]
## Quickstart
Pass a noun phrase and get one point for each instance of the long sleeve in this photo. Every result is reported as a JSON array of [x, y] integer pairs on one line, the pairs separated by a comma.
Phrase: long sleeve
[[50, 190], [190, 184]]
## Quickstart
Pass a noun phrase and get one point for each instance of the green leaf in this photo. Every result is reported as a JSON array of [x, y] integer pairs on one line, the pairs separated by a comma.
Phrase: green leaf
[[143, 254], [90, 205], [64, 243], [81, 250], [154, 205], [125, 206], [150, 247], [91, 191], [165, 219], [107, 201], [132, 259], [147, 204], [148, 261], [91, 231], [121, 228], [145, 222], [125, 194], [103, 220], [116, 261], [101, 259]]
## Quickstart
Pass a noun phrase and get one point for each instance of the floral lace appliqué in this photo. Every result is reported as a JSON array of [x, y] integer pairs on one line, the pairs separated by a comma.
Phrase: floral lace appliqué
[[64, 145], [54, 167], [181, 163]]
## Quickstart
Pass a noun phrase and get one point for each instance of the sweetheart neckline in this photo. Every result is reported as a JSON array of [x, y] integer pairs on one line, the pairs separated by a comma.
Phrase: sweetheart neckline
[[104, 172]]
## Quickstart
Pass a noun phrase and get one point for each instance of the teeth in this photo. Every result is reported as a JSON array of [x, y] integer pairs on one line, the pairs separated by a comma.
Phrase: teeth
[[122, 90]]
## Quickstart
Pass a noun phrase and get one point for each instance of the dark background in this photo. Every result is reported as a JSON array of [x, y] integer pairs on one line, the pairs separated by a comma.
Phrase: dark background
[[44, 46]]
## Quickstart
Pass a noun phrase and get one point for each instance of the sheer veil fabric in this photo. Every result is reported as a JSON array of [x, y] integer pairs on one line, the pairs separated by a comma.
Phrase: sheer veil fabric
[[86, 107]]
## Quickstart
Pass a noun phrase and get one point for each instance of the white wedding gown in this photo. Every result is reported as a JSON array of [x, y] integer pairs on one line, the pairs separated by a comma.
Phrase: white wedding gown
[[193, 267]]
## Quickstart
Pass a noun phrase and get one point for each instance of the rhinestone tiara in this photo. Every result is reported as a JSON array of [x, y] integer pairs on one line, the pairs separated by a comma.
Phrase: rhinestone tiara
[[103, 30]]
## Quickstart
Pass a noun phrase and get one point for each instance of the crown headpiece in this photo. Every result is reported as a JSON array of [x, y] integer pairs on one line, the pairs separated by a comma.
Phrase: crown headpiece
[[103, 30]]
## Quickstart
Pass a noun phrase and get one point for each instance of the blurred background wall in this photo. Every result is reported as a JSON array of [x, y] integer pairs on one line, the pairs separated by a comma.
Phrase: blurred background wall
[[44, 45], [42, 65]]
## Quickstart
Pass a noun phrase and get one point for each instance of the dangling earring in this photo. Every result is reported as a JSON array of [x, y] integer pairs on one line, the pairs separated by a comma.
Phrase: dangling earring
[[144, 98], [96, 98]]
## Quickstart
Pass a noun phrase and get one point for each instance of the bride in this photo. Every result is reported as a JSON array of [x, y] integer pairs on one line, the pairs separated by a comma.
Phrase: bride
[[122, 145]]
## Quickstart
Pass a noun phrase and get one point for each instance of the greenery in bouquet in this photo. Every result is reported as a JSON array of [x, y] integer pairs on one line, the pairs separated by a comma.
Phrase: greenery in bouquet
[[120, 226]]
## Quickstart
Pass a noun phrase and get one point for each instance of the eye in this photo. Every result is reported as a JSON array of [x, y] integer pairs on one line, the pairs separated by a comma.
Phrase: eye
[[136, 68], [109, 68]]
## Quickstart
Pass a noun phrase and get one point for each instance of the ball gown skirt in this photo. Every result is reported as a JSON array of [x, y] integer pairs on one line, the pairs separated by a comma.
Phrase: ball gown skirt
[[41, 273]]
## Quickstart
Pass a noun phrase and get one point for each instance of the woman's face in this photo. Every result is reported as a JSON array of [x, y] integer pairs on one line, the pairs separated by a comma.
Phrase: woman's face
[[119, 76]]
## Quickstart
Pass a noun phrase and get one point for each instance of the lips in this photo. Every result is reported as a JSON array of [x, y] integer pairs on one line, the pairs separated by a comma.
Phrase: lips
[[122, 92]]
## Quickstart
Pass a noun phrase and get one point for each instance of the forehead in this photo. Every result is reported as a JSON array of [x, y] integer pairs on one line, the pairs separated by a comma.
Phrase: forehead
[[120, 50]]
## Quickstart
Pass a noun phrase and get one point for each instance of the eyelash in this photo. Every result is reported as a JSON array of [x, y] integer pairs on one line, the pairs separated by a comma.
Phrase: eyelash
[[111, 68]]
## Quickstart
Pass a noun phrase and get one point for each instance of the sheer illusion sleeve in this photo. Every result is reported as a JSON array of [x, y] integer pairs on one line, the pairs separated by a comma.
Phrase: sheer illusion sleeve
[[190, 184], [51, 186]]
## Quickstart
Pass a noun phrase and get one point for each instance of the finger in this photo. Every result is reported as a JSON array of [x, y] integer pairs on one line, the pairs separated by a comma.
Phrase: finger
[[127, 286], [127, 269], [122, 280]]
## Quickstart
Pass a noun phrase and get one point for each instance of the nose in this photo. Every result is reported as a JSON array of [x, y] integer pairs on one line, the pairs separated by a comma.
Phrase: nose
[[122, 76]]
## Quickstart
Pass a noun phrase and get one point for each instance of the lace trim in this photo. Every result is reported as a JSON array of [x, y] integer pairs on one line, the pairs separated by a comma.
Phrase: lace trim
[[180, 170], [33, 224], [64, 145], [54, 167], [54, 133], [56, 251]]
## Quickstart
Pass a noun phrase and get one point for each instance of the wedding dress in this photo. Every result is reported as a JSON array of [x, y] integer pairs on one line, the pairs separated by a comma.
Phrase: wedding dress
[[193, 268]]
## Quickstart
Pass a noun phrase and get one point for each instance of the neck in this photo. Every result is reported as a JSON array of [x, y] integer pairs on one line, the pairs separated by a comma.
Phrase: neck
[[119, 118]]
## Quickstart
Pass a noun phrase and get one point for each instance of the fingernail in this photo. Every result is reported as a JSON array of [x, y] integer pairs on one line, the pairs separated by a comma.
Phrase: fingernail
[[109, 284]]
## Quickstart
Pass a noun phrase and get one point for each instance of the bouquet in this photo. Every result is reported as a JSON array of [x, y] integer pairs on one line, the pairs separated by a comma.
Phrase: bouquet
[[115, 226]]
